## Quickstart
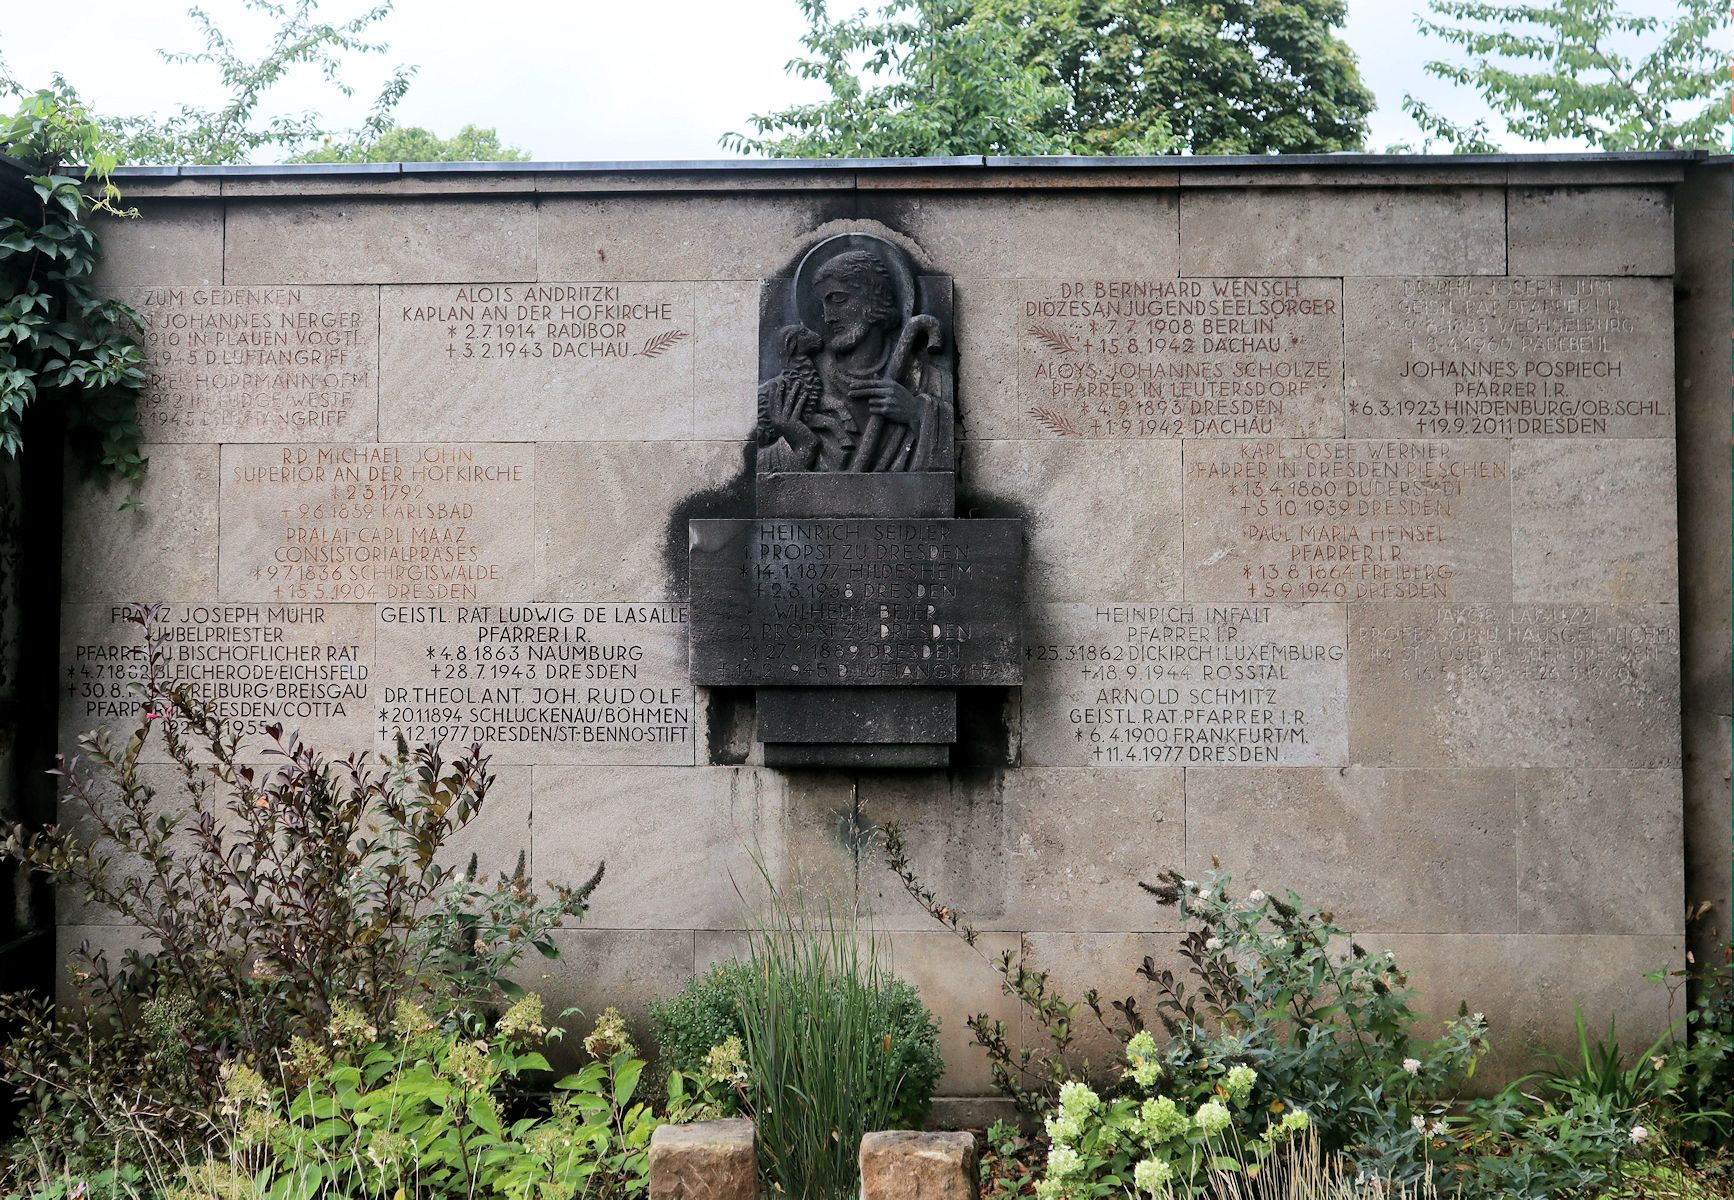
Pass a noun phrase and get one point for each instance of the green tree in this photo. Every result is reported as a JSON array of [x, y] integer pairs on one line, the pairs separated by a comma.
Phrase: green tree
[[1074, 77], [234, 130], [1558, 70], [412, 143], [921, 77]]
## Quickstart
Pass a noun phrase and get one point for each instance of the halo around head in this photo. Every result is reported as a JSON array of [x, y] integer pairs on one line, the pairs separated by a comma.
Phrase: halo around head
[[896, 262]]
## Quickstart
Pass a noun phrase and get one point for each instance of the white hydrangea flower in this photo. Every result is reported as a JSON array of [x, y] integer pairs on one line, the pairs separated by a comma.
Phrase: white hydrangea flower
[[1255, 897], [1639, 1135], [1063, 1129], [1213, 944], [1279, 941], [1064, 1162], [1211, 1118], [1437, 1128], [1152, 1175], [1418, 1124], [1412, 1065], [1077, 1100]]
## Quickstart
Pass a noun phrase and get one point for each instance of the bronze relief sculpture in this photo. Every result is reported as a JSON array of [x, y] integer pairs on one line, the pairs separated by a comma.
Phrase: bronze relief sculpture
[[863, 378]]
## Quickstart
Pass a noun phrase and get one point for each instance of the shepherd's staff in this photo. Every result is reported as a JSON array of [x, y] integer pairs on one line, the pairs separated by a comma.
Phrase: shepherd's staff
[[901, 355]]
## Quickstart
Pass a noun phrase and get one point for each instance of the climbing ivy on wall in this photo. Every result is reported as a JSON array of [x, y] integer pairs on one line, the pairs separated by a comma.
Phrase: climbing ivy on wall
[[60, 342]]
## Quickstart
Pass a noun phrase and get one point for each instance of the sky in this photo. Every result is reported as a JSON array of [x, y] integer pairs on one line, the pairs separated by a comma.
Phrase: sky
[[575, 80]]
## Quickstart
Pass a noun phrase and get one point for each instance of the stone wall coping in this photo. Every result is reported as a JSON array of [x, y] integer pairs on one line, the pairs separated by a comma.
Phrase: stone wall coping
[[962, 172]]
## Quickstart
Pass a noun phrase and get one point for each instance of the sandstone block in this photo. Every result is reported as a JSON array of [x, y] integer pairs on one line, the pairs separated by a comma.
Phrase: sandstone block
[[1599, 851], [725, 360], [1184, 684], [1526, 685], [1546, 356], [258, 364], [1331, 231], [380, 241], [1397, 851], [309, 668], [171, 242], [607, 519], [541, 683], [1115, 536], [1075, 963], [1590, 230], [1594, 521], [1348, 520], [708, 825], [1035, 236], [610, 238], [706, 1160], [1033, 848], [164, 548], [1169, 358], [906, 1165], [545, 361], [1529, 987], [599, 968], [371, 521]]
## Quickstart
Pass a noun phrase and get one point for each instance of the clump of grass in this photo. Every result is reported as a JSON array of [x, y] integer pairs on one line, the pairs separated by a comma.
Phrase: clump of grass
[[1300, 1169], [821, 1064]]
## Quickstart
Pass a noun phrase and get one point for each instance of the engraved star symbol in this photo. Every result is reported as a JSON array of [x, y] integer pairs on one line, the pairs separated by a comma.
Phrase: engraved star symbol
[[258, 571], [382, 716], [1079, 735], [452, 332], [71, 671], [430, 651], [1246, 571]]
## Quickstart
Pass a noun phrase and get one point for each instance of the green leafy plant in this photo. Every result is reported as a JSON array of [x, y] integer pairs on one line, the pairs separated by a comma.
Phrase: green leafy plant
[[816, 1045], [423, 1109], [262, 897], [1149, 1139], [61, 344], [707, 1012], [1113, 77], [1584, 69]]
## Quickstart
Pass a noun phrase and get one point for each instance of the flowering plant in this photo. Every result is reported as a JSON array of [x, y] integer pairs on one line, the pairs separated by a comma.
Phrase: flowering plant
[[1155, 1143], [417, 1109]]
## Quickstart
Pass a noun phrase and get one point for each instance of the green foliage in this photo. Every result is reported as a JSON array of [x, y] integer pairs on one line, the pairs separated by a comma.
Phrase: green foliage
[[1152, 1140], [817, 1048], [1280, 987], [265, 896], [920, 77], [428, 1111], [60, 343], [234, 130], [1558, 70], [1116, 77], [413, 144], [708, 1011]]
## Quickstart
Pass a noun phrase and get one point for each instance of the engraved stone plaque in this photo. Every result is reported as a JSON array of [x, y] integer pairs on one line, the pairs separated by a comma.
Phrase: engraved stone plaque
[[1135, 685], [563, 684], [856, 602], [258, 364], [309, 667], [377, 522], [1181, 358], [1521, 357], [1567, 685], [1348, 520], [544, 361]]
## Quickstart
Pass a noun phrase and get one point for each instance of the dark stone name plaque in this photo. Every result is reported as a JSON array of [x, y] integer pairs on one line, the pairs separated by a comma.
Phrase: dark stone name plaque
[[851, 602], [854, 603]]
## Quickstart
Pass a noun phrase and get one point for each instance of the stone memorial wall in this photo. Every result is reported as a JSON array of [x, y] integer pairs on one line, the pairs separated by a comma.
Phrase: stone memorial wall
[[1348, 500]]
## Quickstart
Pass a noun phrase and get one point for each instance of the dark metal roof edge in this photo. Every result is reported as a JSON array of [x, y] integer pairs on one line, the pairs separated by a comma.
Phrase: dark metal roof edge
[[1275, 162]]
